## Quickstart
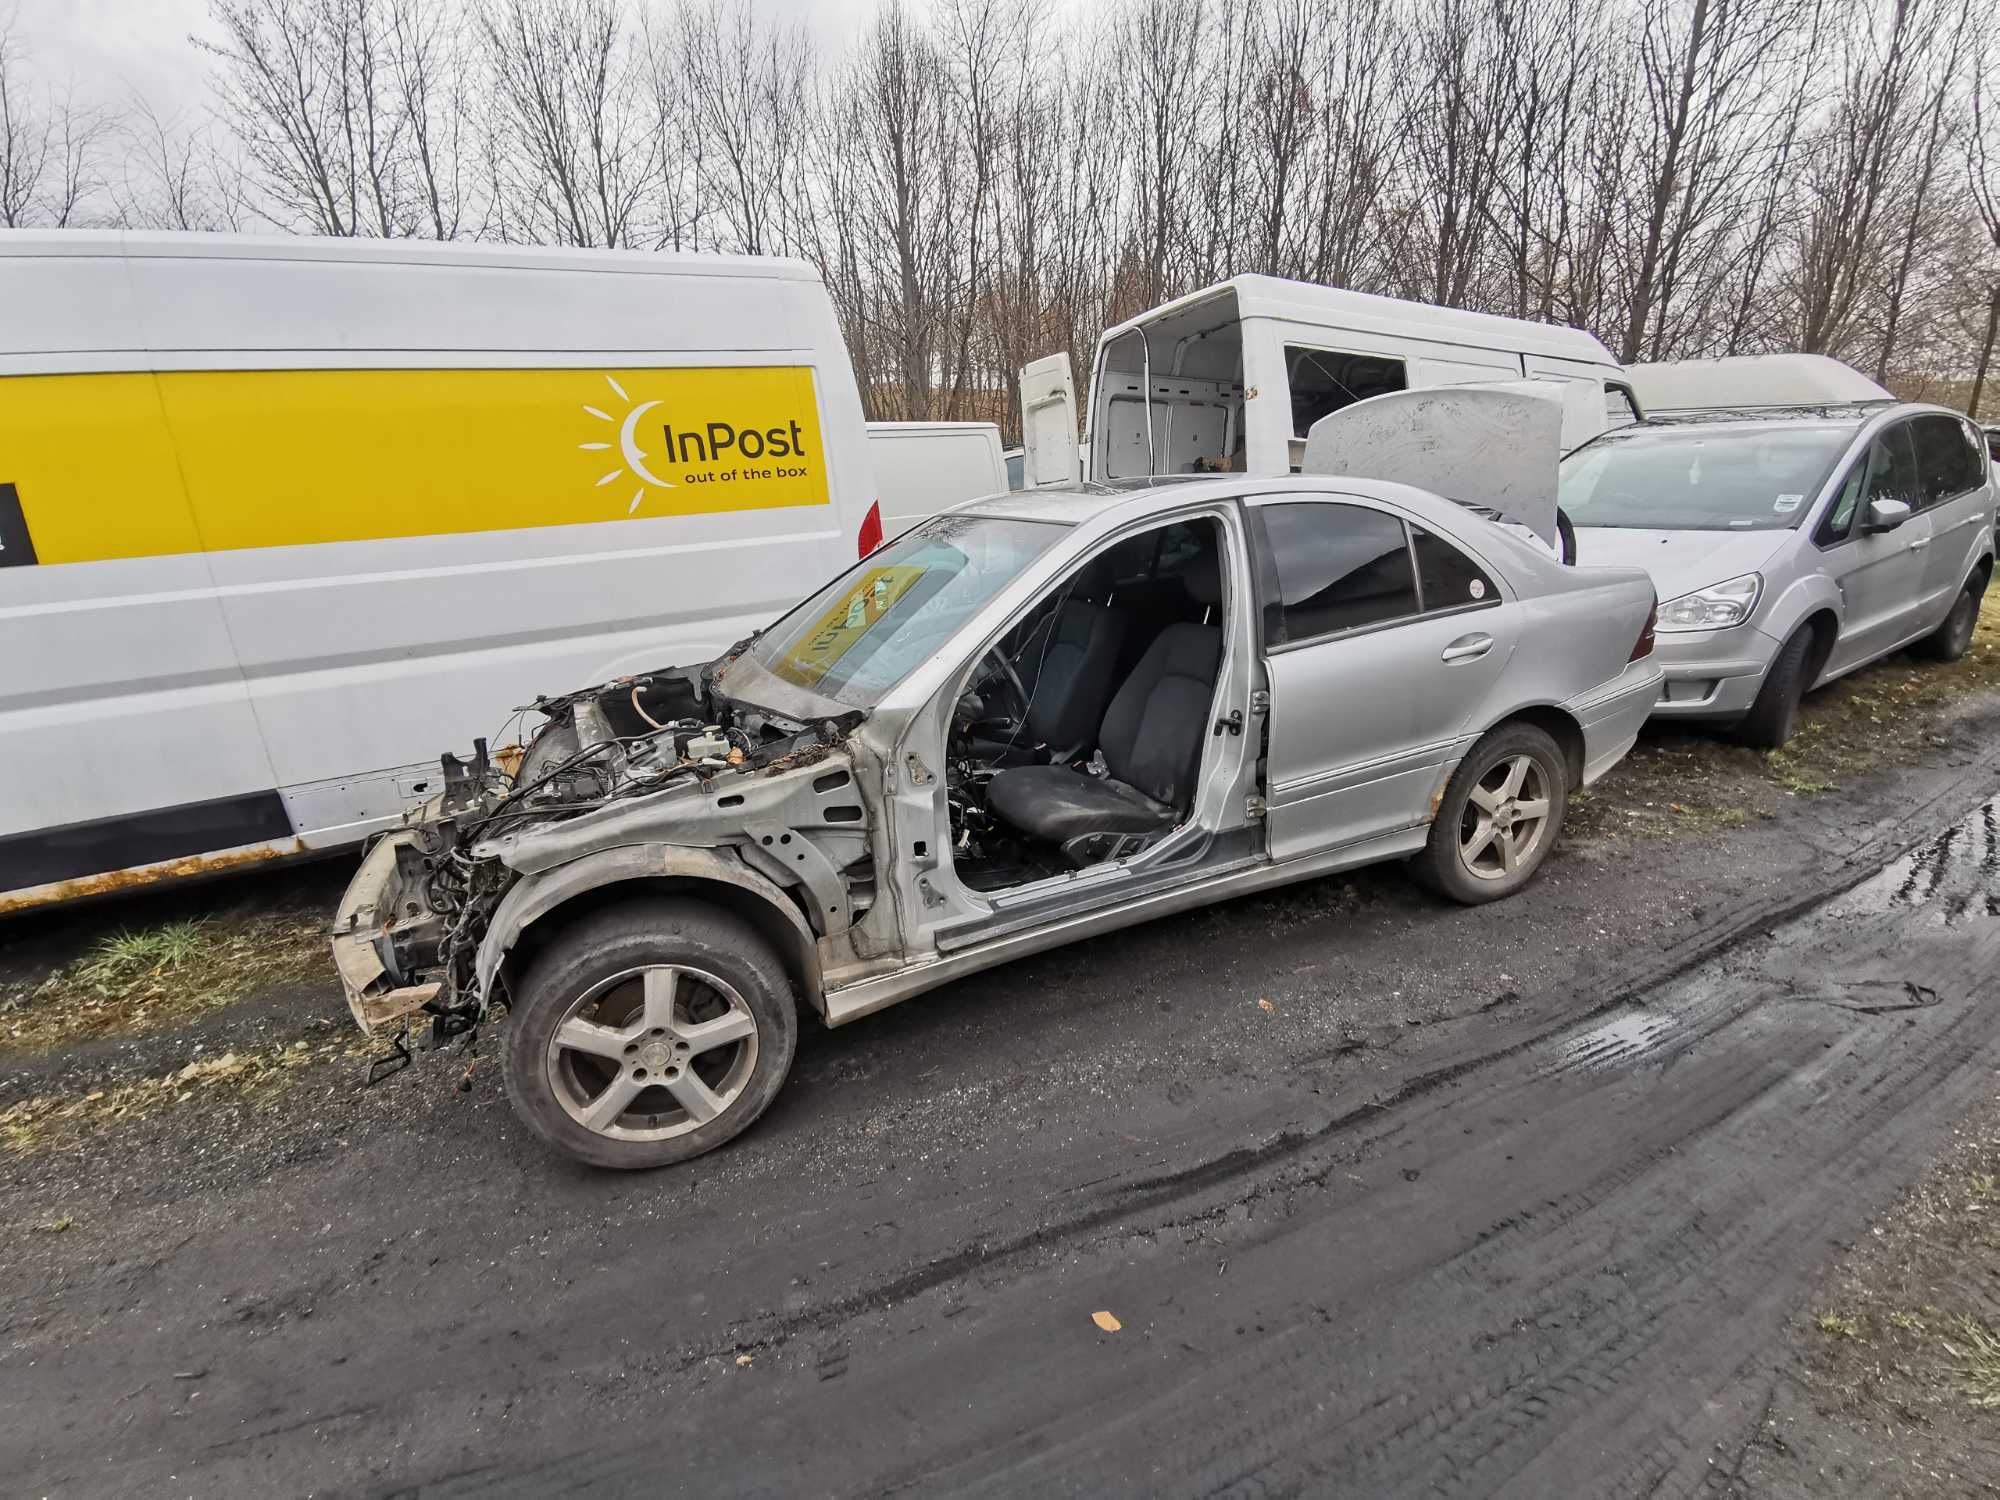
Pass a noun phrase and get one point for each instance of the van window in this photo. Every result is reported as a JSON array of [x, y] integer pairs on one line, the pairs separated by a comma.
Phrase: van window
[[1620, 410], [1947, 463], [1322, 381], [1339, 567]]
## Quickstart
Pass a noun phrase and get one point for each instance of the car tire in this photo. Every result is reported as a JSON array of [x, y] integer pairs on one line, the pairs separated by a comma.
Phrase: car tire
[[1479, 851], [1769, 722], [1953, 638], [685, 1028]]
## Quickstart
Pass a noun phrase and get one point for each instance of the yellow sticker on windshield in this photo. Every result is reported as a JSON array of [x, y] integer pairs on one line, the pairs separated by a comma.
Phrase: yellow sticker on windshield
[[815, 652]]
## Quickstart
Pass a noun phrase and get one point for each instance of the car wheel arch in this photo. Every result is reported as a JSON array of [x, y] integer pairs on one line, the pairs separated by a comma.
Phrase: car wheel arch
[[542, 905], [1559, 725]]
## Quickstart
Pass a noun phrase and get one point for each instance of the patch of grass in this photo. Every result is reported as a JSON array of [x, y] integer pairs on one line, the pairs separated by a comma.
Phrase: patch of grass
[[132, 981], [49, 1120], [1679, 781], [1976, 1348], [1833, 1325]]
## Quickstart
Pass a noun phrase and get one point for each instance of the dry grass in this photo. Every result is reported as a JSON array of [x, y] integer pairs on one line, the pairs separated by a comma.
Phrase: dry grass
[[1698, 780], [51, 1120], [134, 981]]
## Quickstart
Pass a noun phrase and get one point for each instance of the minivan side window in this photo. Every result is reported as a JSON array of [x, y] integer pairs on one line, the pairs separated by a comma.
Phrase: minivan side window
[[1892, 468], [1324, 381], [1447, 578], [1838, 522], [1339, 567], [1947, 463]]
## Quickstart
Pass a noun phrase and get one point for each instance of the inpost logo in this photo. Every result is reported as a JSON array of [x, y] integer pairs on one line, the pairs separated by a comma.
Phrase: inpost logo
[[697, 451]]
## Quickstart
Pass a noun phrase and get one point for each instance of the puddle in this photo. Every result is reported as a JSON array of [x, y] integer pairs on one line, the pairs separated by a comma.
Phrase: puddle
[[1955, 875], [1616, 1042]]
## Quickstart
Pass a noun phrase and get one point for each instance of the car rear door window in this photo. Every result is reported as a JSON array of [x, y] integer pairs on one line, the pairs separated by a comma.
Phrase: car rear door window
[[1339, 567], [1947, 463], [1447, 578]]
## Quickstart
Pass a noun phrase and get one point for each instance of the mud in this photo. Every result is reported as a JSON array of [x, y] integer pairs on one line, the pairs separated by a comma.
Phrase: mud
[[1507, 1200]]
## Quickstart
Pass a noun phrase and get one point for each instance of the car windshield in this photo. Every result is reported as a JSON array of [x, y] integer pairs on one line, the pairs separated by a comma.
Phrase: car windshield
[[1752, 477], [867, 630]]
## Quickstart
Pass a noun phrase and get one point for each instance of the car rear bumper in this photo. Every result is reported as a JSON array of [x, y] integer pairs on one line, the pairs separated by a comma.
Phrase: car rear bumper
[[1611, 717]]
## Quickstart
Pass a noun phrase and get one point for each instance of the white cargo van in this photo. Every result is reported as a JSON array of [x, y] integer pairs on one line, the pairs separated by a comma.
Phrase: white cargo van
[[280, 517], [1231, 378], [922, 468]]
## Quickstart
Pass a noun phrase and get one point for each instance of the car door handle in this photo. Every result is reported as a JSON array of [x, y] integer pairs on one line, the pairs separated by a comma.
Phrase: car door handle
[[1468, 648], [1920, 543]]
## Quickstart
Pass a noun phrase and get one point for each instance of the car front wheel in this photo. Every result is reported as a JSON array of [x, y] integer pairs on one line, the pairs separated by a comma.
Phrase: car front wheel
[[648, 1033], [1499, 816]]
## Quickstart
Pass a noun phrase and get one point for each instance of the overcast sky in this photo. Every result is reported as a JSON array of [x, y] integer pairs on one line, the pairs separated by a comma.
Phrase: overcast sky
[[111, 48]]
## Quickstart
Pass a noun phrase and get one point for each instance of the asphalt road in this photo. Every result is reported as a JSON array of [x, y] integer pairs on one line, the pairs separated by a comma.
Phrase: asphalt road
[[1501, 1201]]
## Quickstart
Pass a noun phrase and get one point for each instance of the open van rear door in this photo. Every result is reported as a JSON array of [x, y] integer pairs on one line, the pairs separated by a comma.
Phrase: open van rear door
[[1048, 424]]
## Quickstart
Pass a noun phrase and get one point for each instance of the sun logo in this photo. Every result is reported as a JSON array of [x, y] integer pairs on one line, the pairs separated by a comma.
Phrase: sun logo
[[627, 446]]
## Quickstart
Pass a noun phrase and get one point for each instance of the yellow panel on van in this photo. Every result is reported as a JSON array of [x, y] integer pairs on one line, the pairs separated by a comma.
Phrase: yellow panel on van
[[289, 457]]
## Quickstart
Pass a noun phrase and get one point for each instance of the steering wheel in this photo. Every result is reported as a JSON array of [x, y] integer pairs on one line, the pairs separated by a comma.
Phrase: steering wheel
[[1014, 683]]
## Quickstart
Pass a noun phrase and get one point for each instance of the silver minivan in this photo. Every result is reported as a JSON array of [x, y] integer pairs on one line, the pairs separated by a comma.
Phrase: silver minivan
[[1790, 546]]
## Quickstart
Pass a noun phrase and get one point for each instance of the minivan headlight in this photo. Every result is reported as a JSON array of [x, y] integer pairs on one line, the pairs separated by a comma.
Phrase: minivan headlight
[[1716, 607]]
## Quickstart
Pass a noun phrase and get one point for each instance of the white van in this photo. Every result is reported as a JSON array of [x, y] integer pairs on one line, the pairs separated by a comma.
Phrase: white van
[[922, 468], [1737, 381], [279, 517], [1231, 378]]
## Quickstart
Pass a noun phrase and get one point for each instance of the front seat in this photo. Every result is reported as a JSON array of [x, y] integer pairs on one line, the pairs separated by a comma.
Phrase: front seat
[[1071, 657], [1151, 740]]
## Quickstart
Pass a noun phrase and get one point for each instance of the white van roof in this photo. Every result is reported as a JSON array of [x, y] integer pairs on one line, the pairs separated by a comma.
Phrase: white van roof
[[1740, 380], [1335, 307], [74, 293]]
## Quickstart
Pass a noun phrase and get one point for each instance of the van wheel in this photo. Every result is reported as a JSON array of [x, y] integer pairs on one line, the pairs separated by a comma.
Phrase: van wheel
[[1769, 722], [1499, 816], [1953, 638], [649, 1033]]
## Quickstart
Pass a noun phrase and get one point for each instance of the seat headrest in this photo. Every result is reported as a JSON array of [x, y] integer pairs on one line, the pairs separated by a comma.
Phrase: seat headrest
[[1203, 579]]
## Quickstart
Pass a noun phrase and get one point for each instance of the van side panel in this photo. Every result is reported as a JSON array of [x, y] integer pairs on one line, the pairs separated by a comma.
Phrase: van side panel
[[417, 494], [122, 699]]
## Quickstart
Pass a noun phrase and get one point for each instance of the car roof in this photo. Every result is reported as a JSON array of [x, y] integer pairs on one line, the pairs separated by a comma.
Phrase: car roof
[[1854, 414]]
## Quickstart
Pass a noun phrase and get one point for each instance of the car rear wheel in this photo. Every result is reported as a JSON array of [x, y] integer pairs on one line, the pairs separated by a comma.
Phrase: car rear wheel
[[1769, 722], [1953, 638], [649, 1033], [1499, 816]]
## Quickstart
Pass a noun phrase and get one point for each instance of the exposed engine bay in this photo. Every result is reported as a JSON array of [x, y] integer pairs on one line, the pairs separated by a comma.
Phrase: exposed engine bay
[[658, 756]]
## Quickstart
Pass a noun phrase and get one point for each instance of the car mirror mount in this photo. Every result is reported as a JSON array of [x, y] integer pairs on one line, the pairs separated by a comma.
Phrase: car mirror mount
[[1887, 515]]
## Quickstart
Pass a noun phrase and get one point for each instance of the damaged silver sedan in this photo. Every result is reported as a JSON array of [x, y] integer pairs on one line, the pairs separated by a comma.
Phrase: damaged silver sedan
[[1028, 721]]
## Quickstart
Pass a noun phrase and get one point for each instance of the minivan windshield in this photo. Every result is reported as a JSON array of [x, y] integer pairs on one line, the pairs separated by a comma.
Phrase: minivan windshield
[[870, 628], [1749, 476]]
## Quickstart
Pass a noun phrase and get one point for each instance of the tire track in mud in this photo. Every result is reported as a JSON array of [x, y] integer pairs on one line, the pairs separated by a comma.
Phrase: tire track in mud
[[1555, 1257]]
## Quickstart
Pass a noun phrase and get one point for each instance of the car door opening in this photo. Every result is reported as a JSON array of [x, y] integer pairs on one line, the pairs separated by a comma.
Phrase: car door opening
[[1079, 737]]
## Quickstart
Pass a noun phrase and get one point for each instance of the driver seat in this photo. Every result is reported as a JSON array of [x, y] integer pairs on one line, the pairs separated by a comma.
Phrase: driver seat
[[1151, 741]]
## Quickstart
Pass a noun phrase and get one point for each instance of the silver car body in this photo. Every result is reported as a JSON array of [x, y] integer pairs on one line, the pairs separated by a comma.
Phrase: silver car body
[[1326, 753], [1867, 593]]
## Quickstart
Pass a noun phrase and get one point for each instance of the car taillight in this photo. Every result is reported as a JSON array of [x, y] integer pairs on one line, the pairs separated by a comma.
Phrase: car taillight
[[1644, 645], [871, 529]]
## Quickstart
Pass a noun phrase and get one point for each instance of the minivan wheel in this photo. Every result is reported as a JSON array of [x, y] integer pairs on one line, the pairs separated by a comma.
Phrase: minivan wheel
[[1498, 818], [649, 1033], [1953, 638], [1769, 722]]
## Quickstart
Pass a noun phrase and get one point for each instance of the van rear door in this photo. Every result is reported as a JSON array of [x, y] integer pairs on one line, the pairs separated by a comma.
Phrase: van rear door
[[1048, 424]]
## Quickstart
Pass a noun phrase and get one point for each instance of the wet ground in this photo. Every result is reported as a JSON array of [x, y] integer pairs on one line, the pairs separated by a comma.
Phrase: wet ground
[[1382, 1197]]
